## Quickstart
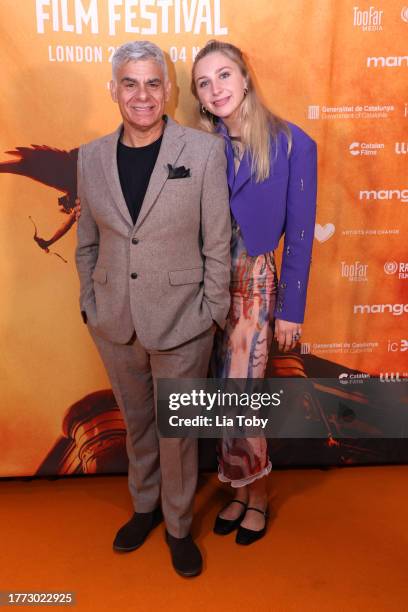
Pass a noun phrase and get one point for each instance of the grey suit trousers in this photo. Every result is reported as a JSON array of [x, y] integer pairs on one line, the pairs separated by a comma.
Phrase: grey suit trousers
[[158, 467]]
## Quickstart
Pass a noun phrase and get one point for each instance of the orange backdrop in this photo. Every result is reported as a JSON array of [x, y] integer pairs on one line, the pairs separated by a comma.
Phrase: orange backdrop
[[337, 69]]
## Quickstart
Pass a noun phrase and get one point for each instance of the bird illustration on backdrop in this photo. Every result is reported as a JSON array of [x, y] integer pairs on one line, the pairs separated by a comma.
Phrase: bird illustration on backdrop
[[53, 167]]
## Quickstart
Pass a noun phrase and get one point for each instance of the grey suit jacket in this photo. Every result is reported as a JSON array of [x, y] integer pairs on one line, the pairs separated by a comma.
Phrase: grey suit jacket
[[167, 277]]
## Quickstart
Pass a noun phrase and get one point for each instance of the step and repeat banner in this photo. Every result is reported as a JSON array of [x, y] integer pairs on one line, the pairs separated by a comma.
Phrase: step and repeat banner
[[337, 69]]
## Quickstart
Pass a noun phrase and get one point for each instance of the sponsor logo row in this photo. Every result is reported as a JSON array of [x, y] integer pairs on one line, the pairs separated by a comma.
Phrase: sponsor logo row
[[347, 378], [391, 345], [358, 271]]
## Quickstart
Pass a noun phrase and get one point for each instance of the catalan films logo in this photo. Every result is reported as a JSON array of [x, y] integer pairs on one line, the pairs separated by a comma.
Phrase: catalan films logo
[[370, 149], [353, 379], [368, 20]]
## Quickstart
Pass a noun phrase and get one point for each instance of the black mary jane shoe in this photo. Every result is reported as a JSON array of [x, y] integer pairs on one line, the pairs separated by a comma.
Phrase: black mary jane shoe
[[248, 536], [225, 526]]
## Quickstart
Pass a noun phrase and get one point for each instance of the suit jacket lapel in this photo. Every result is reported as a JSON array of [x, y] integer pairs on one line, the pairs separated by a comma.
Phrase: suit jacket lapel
[[110, 167], [172, 144]]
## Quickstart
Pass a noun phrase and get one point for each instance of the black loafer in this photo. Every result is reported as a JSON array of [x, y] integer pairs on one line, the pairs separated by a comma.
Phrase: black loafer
[[225, 526], [134, 532], [248, 536], [185, 555]]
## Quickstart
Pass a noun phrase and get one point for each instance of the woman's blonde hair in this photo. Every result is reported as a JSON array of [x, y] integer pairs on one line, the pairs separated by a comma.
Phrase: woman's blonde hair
[[257, 122]]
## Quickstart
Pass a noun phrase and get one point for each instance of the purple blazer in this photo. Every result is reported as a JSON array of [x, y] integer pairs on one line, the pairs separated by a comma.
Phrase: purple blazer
[[283, 204]]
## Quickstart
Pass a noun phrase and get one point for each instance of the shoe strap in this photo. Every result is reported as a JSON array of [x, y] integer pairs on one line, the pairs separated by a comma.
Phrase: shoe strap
[[237, 501], [263, 512]]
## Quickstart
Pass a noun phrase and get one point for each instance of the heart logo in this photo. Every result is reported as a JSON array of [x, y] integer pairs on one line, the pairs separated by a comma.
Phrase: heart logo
[[324, 232]]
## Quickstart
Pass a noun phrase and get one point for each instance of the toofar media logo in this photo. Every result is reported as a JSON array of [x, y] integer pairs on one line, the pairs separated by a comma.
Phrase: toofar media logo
[[365, 148], [394, 309], [404, 14], [354, 272], [369, 20], [392, 267], [384, 194]]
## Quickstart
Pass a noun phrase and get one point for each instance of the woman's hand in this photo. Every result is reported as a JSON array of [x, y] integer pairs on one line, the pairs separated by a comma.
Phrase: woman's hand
[[287, 334], [77, 209]]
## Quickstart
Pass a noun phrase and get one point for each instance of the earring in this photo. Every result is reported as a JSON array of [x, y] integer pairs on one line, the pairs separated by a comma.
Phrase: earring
[[245, 91], [203, 110]]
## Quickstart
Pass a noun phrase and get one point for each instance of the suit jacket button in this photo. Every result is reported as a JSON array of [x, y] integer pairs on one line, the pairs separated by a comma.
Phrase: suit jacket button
[[135, 241], [133, 275]]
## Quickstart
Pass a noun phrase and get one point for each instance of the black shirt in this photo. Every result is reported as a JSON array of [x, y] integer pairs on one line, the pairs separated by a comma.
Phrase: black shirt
[[135, 165]]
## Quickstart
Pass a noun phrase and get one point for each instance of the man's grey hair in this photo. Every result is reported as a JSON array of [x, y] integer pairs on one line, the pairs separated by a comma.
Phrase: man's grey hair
[[135, 51]]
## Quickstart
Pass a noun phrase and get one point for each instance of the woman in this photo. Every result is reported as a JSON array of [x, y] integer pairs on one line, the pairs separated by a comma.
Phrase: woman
[[272, 181]]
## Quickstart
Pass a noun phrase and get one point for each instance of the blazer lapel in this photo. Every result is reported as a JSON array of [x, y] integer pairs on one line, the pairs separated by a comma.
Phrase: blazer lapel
[[110, 168], [243, 174], [172, 145], [235, 182]]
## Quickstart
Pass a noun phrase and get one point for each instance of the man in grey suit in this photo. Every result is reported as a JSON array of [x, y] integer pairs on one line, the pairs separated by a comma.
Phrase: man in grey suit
[[153, 259]]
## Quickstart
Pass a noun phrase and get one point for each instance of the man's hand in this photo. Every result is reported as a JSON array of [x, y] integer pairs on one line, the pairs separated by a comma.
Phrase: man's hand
[[287, 334]]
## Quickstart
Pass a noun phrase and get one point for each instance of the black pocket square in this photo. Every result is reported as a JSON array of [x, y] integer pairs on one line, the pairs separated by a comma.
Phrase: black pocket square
[[179, 172]]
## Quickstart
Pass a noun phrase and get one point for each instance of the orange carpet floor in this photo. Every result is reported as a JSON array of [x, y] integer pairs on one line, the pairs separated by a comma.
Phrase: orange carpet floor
[[337, 542]]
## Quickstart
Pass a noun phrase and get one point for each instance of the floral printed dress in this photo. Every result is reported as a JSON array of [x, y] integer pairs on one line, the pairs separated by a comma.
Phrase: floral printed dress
[[241, 351]]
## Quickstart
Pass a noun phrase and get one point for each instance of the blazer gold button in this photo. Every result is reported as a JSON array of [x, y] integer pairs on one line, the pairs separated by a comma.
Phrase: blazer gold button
[[133, 275], [135, 240]]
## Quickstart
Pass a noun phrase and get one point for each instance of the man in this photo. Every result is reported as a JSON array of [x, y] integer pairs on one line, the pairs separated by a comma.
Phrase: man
[[154, 267]]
